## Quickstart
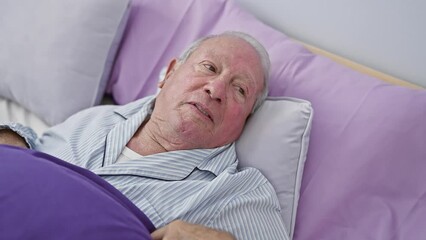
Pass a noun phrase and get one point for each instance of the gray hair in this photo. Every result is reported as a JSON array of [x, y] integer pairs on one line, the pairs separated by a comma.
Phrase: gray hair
[[261, 51]]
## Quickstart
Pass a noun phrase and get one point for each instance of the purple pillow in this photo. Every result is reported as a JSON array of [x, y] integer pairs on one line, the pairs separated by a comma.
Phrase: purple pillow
[[365, 171], [42, 197], [158, 31]]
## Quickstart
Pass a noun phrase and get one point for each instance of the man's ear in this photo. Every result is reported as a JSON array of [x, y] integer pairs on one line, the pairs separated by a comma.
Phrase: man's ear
[[170, 69]]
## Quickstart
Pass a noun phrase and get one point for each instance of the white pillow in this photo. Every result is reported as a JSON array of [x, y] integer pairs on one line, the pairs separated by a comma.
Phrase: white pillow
[[56, 56], [275, 141]]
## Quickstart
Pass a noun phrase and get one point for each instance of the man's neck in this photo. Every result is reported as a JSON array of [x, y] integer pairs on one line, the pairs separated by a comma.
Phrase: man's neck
[[150, 138]]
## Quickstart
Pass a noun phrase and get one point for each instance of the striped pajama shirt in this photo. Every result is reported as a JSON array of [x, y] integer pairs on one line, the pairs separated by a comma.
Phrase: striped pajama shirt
[[202, 186]]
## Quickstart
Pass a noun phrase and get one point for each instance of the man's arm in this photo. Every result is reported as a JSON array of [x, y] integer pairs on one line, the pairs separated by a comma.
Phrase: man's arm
[[181, 230], [252, 216], [17, 135], [10, 137]]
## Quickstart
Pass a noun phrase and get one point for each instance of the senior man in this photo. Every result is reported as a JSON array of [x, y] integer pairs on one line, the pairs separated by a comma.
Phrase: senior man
[[173, 154]]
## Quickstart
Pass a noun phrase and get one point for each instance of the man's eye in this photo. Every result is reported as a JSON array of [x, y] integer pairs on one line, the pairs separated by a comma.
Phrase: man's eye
[[210, 67], [241, 91]]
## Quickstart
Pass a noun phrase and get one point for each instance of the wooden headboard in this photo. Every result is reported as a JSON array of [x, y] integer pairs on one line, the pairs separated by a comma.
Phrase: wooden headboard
[[360, 67]]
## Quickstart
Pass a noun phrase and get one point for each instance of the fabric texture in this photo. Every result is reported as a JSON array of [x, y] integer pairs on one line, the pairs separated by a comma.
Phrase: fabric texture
[[366, 154], [42, 197], [56, 56], [201, 186]]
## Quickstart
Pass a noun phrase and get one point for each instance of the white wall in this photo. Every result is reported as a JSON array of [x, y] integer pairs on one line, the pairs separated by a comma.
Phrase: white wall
[[387, 35]]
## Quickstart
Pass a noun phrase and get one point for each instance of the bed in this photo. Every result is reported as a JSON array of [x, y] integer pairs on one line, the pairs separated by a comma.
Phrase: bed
[[345, 144]]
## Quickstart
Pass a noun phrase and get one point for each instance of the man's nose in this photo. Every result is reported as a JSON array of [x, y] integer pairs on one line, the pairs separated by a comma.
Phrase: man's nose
[[216, 89]]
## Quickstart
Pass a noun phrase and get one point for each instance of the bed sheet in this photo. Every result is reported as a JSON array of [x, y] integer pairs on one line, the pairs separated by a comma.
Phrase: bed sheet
[[78, 204]]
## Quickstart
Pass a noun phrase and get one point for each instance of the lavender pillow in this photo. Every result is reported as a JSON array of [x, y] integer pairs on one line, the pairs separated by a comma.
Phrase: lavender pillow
[[56, 56], [366, 157], [367, 151], [158, 31], [42, 197]]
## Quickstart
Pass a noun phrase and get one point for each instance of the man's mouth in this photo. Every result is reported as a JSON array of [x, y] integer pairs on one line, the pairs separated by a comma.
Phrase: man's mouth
[[202, 110]]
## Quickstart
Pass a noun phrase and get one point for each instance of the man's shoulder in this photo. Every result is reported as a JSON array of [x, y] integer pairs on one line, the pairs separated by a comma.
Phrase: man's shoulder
[[249, 180], [253, 176], [226, 163]]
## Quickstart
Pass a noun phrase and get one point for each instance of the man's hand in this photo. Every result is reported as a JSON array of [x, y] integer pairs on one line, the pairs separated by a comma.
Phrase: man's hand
[[9, 137], [180, 230]]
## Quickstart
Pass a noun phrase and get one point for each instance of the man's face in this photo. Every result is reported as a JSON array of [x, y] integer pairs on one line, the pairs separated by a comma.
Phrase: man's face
[[207, 99]]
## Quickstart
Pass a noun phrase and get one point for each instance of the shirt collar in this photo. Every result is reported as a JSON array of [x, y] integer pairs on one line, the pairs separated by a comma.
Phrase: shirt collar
[[220, 159], [134, 114], [174, 165]]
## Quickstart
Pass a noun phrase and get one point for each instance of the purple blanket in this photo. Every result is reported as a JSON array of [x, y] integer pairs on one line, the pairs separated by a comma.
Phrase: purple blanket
[[42, 197]]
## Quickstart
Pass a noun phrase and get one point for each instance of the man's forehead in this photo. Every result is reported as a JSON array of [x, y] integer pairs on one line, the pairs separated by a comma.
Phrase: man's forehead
[[228, 48], [223, 42]]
